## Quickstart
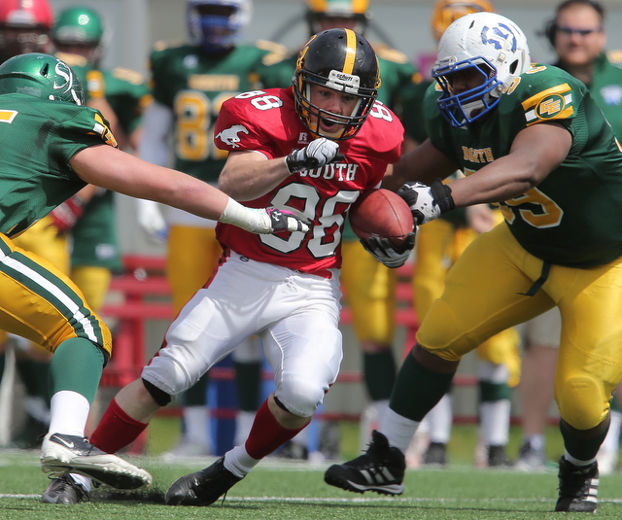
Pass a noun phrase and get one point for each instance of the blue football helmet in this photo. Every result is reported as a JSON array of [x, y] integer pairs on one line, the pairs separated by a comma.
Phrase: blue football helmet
[[490, 45], [216, 25]]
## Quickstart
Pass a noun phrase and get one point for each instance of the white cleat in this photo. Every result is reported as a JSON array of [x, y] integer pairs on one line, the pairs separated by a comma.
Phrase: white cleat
[[61, 453]]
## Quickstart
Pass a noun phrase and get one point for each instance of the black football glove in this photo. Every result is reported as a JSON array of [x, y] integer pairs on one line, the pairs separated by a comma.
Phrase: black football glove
[[427, 202], [317, 153], [383, 250]]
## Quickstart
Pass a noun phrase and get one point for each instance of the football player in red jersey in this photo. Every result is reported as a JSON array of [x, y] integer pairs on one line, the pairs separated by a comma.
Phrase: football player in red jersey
[[314, 147]]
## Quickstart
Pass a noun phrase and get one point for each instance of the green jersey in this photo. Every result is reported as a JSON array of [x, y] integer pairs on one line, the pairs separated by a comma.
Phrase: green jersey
[[194, 86], [39, 138], [573, 216]]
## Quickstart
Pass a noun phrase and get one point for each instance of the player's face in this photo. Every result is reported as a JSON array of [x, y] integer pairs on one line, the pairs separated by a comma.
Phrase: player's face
[[338, 103], [464, 80], [16, 40], [84, 50], [579, 36], [335, 22]]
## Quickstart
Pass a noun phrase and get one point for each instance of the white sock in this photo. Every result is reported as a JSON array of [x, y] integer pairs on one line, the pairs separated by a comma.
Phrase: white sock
[[440, 418], [398, 429], [495, 422], [381, 408], [69, 412], [243, 424], [612, 440], [535, 441], [239, 462], [577, 462], [195, 421]]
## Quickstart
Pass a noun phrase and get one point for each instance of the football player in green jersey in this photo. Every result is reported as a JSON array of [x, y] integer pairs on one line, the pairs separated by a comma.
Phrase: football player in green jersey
[[530, 138], [577, 35], [438, 246], [41, 96], [189, 84], [369, 286]]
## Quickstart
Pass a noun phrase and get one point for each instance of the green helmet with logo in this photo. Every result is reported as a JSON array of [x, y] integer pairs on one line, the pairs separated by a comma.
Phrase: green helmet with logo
[[41, 75], [78, 25]]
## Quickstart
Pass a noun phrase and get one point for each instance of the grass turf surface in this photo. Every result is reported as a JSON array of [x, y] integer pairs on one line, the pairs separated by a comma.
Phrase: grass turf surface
[[277, 490]]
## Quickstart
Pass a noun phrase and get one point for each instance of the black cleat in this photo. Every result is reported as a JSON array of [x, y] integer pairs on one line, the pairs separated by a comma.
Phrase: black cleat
[[61, 453], [380, 469], [578, 487], [203, 487], [497, 457], [436, 454], [64, 490]]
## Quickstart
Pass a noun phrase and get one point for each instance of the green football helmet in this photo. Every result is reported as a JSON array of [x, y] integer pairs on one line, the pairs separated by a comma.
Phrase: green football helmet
[[41, 75], [79, 30]]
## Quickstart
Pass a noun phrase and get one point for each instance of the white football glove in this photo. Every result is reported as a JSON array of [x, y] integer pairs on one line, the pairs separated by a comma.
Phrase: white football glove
[[427, 202], [151, 220], [262, 220], [383, 250], [317, 153]]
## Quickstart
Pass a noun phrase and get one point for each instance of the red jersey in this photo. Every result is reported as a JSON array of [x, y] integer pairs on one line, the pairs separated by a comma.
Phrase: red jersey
[[266, 121]]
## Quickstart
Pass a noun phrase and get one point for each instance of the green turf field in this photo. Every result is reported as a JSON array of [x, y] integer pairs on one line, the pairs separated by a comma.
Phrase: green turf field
[[278, 490]]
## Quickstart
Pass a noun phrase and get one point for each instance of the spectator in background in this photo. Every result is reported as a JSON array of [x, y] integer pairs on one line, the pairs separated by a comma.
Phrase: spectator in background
[[577, 34]]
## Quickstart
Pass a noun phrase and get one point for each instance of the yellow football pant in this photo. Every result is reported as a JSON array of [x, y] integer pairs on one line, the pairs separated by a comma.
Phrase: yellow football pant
[[484, 294], [439, 245], [369, 287]]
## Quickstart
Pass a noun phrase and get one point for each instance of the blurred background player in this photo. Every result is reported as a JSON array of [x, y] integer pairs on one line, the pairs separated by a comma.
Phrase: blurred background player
[[368, 285], [121, 95], [189, 84], [577, 35], [439, 244]]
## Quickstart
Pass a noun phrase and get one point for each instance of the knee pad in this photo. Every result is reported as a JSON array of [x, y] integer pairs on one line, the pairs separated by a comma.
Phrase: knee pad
[[299, 398], [582, 402], [159, 396]]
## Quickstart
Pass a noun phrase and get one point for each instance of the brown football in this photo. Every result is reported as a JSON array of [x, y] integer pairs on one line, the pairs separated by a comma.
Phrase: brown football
[[382, 213]]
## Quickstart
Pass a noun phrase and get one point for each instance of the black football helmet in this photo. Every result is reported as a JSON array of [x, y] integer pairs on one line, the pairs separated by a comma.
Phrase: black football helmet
[[342, 60]]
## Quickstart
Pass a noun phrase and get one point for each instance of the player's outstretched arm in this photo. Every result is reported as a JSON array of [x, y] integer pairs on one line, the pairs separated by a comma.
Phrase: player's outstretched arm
[[115, 170]]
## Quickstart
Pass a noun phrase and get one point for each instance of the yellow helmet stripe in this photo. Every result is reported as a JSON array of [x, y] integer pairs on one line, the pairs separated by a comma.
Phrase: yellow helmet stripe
[[348, 65]]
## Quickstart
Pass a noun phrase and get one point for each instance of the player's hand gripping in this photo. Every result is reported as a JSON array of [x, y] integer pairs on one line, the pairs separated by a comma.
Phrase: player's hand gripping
[[66, 215], [262, 220], [317, 153], [427, 202], [385, 252]]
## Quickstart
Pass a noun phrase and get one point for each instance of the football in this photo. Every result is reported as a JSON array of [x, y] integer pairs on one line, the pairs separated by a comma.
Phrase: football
[[382, 213]]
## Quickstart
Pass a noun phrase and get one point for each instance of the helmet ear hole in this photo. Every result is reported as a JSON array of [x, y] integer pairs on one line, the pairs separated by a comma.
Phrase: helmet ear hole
[[513, 67]]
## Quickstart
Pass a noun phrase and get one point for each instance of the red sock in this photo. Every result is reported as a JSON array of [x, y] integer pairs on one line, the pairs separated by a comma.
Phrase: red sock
[[267, 434], [116, 429]]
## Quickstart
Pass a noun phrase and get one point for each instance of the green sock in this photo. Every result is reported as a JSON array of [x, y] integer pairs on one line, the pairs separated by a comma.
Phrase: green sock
[[417, 389], [77, 366], [583, 444], [379, 371], [493, 391]]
